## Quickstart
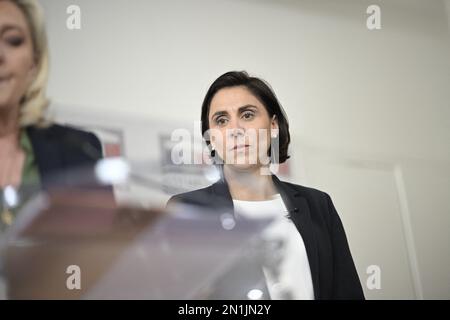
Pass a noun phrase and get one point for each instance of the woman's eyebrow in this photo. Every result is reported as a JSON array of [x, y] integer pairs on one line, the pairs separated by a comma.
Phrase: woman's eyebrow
[[9, 27], [247, 107], [219, 113], [240, 110]]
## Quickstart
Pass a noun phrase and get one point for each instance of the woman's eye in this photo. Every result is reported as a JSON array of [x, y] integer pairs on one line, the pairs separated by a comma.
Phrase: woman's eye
[[221, 121], [15, 41], [247, 115]]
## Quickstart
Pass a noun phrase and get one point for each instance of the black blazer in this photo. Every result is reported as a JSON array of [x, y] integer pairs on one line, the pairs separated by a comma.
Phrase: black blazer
[[62, 153], [333, 272]]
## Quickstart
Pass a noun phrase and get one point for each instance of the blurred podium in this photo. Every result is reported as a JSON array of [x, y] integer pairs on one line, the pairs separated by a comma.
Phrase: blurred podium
[[129, 253]]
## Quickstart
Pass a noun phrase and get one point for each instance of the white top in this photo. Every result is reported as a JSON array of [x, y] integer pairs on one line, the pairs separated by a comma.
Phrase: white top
[[293, 279]]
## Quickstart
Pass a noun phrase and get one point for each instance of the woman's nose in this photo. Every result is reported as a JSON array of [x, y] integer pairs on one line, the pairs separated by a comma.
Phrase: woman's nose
[[236, 128], [2, 54]]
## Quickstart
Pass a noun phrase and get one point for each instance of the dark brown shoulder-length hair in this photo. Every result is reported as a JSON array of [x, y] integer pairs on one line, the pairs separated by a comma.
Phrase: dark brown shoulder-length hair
[[262, 91]]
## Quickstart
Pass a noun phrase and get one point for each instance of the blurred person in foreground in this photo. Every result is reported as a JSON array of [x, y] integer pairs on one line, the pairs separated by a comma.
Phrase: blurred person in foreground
[[34, 152]]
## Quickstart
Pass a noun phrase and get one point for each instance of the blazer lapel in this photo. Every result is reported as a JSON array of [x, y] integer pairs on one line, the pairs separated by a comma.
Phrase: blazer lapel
[[299, 213], [46, 152], [221, 195]]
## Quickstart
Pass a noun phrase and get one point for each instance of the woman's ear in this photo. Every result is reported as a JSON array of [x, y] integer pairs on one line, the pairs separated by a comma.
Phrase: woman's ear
[[274, 127]]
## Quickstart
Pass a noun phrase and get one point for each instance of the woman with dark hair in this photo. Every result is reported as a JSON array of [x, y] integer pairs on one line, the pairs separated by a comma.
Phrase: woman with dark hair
[[247, 131]]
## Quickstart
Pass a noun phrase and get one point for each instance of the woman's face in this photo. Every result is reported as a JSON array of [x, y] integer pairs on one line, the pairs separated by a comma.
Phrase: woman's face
[[17, 66], [240, 127]]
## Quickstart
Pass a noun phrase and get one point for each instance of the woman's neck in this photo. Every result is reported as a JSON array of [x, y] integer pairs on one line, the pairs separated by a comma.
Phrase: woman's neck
[[249, 184], [9, 132]]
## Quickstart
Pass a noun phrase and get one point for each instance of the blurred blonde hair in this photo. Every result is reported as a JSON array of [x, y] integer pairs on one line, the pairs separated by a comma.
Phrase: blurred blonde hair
[[34, 103]]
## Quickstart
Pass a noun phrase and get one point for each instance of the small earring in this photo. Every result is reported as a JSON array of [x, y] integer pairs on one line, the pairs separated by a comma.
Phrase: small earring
[[274, 134]]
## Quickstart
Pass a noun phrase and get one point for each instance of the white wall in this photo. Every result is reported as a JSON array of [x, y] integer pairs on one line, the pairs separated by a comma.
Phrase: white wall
[[369, 110]]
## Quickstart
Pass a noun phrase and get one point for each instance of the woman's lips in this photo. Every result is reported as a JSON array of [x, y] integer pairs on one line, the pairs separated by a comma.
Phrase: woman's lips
[[4, 79], [240, 147]]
